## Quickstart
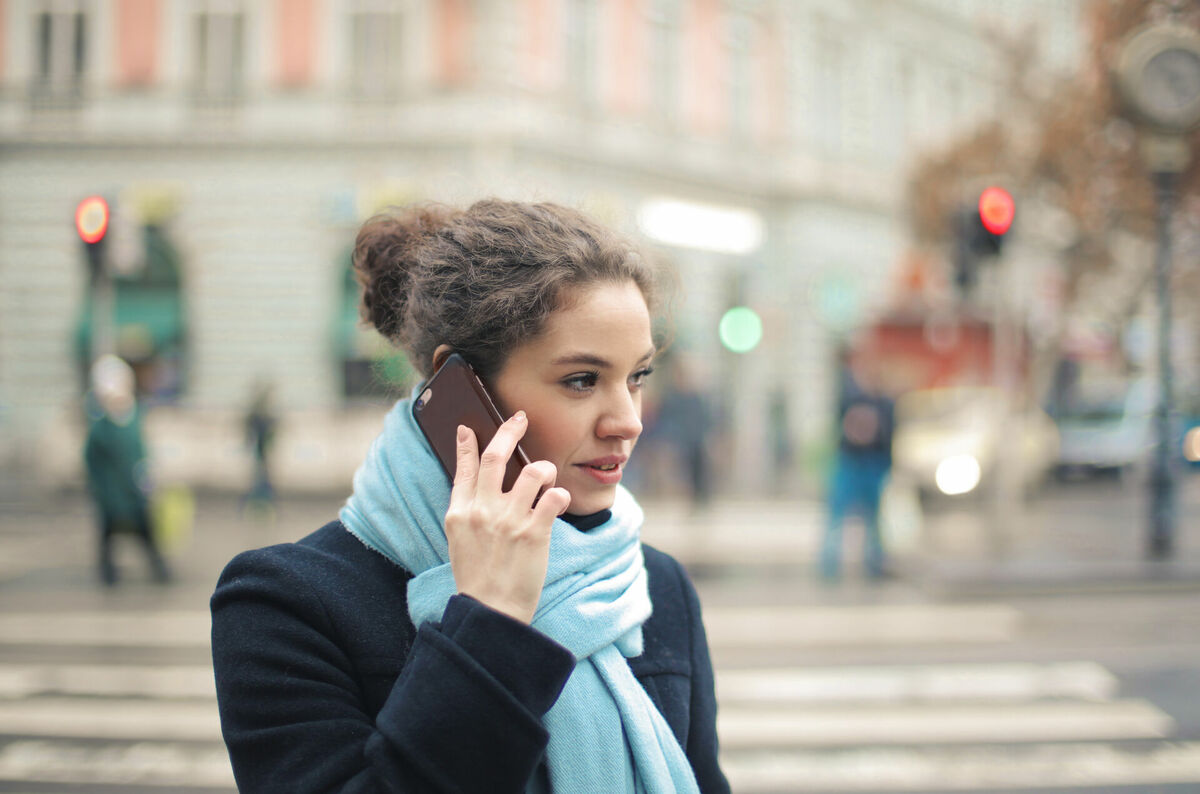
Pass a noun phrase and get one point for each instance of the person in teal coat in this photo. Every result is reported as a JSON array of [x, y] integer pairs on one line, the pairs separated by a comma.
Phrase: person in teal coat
[[115, 456]]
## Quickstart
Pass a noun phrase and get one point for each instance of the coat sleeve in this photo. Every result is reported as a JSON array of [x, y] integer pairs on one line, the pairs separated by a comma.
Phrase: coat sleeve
[[464, 715], [702, 746]]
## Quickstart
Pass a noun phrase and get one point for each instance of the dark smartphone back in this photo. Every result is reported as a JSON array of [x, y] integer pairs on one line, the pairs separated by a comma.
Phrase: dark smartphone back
[[456, 396]]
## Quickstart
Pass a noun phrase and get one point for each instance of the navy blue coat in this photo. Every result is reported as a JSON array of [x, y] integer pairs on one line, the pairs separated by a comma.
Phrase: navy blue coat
[[325, 685]]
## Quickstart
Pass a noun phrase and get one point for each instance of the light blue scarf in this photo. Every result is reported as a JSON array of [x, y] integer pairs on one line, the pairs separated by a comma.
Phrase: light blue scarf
[[603, 729]]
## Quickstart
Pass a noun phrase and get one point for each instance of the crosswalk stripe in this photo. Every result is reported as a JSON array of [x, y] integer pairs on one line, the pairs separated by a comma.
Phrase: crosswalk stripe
[[777, 626], [181, 628], [110, 718], [946, 682], [980, 769], [157, 681], [143, 763], [901, 624], [741, 727]]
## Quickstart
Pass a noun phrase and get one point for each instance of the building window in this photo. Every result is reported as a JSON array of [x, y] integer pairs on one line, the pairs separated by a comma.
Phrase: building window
[[582, 58], [60, 51], [739, 33], [902, 100], [831, 67], [665, 58], [372, 369], [220, 62], [146, 323], [375, 51]]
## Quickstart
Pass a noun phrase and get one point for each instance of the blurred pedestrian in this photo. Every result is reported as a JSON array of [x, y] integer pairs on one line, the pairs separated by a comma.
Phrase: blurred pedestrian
[[260, 425], [454, 636], [685, 420], [779, 431], [866, 424], [117, 473]]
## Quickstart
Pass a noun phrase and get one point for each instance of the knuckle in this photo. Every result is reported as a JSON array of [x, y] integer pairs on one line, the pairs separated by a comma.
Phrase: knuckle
[[561, 497], [492, 458], [542, 470]]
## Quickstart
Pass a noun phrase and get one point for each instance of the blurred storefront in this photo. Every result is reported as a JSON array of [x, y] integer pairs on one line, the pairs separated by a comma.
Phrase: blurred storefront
[[241, 143]]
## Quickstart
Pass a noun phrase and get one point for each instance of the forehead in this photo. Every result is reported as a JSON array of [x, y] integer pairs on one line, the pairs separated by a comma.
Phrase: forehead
[[601, 315]]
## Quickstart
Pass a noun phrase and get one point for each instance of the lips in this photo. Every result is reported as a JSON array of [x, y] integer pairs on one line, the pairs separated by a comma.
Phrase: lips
[[606, 470]]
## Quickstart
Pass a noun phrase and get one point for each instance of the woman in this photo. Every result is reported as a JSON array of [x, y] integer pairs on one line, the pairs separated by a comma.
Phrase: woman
[[117, 476], [452, 636]]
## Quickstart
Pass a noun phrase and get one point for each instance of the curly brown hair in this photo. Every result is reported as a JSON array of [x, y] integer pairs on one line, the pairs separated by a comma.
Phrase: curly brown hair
[[484, 279]]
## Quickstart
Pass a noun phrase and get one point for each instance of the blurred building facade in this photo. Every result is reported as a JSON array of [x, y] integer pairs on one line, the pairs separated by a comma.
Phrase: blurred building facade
[[241, 143]]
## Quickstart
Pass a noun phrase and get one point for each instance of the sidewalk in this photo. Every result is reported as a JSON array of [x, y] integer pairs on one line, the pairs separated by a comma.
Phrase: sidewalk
[[1082, 539]]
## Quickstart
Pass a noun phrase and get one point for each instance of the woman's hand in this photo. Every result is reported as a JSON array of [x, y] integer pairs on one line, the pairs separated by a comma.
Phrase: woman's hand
[[500, 542]]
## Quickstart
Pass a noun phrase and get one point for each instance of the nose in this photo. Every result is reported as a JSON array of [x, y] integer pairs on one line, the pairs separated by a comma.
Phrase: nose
[[622, 417]]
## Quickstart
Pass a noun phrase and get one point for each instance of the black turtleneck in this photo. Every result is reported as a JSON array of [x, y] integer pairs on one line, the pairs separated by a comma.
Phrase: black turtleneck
[[590, 521]]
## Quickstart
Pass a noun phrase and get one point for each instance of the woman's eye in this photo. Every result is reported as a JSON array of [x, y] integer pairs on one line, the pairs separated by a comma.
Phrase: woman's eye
[[582, 381], [640, 376]]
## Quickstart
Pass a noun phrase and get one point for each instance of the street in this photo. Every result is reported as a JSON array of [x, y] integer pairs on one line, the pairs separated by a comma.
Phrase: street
[[1056, 666]]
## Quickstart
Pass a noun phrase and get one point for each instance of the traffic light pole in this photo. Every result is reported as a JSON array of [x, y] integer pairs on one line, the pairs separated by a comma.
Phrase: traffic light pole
[[1162, 481], [91, 223], [103, 309]]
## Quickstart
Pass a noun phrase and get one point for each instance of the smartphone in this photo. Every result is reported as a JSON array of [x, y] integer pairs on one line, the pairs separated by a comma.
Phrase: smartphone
[[455, 396]]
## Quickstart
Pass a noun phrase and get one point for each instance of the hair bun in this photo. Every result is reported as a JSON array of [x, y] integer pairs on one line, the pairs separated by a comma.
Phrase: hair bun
[[385, 254]]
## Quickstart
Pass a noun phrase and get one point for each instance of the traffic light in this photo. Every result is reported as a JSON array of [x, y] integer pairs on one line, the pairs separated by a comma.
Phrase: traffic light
[[979, 233], [996, 211], [91, 222]]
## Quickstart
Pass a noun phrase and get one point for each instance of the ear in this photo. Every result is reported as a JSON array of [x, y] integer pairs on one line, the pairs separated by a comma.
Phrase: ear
[[440, 355]]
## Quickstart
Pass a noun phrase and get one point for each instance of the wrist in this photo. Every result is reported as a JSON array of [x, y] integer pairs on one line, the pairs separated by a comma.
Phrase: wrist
[[508, 607]]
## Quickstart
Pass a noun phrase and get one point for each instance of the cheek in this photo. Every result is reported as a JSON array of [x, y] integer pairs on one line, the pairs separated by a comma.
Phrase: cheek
[[554, 438]]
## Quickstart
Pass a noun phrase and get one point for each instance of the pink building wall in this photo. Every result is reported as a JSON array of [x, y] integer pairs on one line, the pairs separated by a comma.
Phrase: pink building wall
[[453, 32], [543, 34], [705, 89], [138, 33], [624, 59], [296, 38]]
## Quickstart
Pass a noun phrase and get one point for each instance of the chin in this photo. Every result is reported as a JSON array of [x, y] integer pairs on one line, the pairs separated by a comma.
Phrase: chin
[[591, 503]]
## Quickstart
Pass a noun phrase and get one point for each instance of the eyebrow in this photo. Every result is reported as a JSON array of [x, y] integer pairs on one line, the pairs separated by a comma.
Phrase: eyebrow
[[592, 360]]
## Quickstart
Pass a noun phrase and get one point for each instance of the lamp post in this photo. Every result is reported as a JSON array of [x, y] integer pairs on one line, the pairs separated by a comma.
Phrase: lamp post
[[1158, 77]]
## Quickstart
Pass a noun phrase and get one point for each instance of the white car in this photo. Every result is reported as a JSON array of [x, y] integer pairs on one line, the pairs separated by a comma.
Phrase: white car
[[1114, 434], [950, 441]]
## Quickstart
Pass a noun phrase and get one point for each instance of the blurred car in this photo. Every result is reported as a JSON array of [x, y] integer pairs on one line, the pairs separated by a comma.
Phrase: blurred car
[[949, 441], [1108, 434], [1189, 425], [1191, 442]]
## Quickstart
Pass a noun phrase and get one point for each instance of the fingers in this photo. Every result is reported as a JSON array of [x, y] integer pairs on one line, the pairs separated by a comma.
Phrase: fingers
[[466, 470], [553, 503], [534, 477], [495, 457]]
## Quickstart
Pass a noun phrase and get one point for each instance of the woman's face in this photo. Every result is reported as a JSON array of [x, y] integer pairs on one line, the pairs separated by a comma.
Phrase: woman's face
[[580, 383]]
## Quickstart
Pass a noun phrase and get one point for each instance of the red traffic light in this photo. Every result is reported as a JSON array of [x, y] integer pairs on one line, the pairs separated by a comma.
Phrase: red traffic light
[[996, 209], [91, 219]]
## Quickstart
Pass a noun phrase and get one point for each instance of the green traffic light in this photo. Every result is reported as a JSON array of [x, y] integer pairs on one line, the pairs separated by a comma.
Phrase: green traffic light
[[740, 329]]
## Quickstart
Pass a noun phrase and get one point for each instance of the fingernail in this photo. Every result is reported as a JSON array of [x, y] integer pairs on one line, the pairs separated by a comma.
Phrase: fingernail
[[519, 416], [462, 434]]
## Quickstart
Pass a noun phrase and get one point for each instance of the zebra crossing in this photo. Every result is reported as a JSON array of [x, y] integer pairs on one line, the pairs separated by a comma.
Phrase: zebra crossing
[[108, 698], [86, 707], [930, 727]]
